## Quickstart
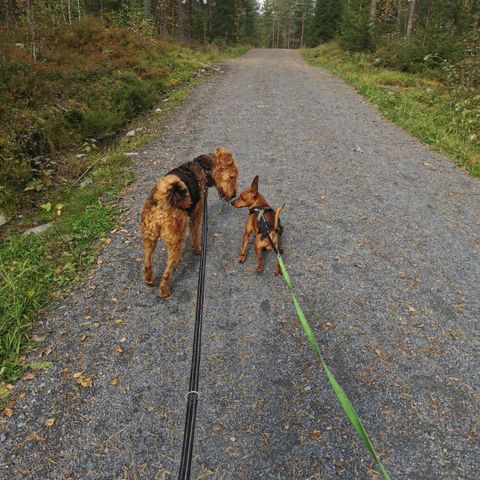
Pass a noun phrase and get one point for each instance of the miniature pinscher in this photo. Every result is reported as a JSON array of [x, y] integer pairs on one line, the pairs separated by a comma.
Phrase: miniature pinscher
[[257, 204]]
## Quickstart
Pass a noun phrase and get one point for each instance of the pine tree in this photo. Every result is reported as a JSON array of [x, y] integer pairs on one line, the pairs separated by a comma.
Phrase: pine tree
[[325, 22]]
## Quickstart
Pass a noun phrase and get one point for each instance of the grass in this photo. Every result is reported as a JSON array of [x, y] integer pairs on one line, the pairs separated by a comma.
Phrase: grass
[[424, 107], [36, 270]]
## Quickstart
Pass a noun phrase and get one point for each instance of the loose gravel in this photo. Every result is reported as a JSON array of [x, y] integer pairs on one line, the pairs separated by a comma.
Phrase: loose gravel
[[382, 243]]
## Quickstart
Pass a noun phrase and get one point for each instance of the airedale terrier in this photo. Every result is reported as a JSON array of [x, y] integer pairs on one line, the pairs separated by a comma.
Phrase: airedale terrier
[[252, 199], [177, 200]]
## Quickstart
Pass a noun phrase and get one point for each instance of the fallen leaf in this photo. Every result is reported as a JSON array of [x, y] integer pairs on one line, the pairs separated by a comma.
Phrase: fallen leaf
[[316, 433], [123, 339], [46, 352], [96, 325], [420, 325], [329, 325], [83, 337], [49, 422], [85, 382], [34, 436], [37, 338], [127, 388], [8, 412], [378, 353], [114, 381], [118, 349], [118, 320], [150, 408], [29, 376], [93, 287], [77, 374], [412, 309], [39, 365]]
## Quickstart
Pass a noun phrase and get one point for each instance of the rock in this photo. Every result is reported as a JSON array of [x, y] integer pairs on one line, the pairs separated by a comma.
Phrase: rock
[[39, 229], [131, 133], [158, 110]]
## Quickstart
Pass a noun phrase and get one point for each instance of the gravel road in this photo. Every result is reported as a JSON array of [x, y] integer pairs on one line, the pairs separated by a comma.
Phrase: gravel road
[[382, 243]]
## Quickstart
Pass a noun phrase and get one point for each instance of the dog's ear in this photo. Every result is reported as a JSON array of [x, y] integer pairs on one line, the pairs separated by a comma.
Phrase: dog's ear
[[254, 186], [224, 156]]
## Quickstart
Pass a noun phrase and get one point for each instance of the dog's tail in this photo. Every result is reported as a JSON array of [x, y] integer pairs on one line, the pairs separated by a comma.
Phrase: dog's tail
[[172, 190], [277, 218]]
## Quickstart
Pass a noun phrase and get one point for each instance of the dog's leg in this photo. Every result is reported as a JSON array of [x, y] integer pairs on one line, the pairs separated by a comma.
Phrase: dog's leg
[[259, 251], [278, 271], [149, 247], [174, 236], [196, 221], [243, 249]]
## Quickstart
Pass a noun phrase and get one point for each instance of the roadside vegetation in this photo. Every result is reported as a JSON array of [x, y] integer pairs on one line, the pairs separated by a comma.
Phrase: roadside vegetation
[[69, 91]]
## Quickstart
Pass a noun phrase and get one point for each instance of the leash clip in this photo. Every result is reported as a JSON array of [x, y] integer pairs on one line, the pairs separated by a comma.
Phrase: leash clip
[[192, 391]]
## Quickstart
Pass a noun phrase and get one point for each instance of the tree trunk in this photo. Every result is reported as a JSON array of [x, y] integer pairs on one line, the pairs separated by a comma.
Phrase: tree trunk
[[303, 30], [373, 13], [180, 32], [411, 18]]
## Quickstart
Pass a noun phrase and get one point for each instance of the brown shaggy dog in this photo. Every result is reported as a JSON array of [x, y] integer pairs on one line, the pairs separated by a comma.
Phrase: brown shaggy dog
[[177, 200], [252, 199]]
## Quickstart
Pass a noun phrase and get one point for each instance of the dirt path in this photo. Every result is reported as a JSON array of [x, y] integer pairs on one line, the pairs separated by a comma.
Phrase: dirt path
[[382, 241]]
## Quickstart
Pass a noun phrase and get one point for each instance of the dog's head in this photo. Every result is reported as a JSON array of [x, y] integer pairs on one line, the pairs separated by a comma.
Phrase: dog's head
[[225, 173], [248, 197]]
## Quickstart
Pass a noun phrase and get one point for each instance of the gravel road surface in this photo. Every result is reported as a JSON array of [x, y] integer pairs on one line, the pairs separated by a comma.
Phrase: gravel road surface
[[382, 243]]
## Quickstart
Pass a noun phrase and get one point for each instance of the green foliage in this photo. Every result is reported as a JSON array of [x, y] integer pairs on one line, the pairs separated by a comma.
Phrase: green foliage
[[355, 29], [324, 24], [440, 117]]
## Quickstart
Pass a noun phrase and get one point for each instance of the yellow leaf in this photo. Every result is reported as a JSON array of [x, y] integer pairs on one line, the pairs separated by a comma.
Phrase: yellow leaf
[[118, 349], [412, 309], [119, 320], [49, 422], [86, 382], [8, 412], [114, 381], [96, 325], [77, 374]]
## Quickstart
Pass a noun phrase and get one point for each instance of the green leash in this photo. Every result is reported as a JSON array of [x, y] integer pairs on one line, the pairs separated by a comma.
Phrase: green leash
[[341, 395]]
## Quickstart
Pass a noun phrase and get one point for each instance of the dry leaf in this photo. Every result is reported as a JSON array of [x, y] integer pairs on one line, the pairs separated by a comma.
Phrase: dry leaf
[[34, 436], [88, 317], [49, 422], [316, 433], [96, 325], [85, 382], [29, 376], [8, 412], [412, 309], [378, 353], [123, 339], [37, 338], [77, 374], [114, 381], [150, 408], [83, 337], [118, 349], [127, 388], [329, 325], [118, 320]]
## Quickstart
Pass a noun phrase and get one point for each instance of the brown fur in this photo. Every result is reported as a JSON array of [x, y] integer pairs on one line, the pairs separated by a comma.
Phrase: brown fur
[[165, 213], [251, 198]]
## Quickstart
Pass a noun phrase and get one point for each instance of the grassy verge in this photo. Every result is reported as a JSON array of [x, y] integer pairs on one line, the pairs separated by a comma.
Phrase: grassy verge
[[424, 107], [36, 270]]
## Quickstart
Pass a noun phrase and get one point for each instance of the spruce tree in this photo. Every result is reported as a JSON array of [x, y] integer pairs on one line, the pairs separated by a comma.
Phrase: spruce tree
[[324, 24]]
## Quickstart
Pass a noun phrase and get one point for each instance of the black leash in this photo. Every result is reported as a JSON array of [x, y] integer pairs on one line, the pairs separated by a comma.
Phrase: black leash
[[193, 394]]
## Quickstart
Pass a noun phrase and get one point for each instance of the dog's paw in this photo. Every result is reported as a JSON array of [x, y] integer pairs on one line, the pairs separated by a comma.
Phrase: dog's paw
[[196, 250], [150, 282], [258, 270], [164, 291], [241, 259]]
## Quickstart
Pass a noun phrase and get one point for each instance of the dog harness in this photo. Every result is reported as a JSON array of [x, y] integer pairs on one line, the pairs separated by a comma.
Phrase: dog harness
[[265, 226]]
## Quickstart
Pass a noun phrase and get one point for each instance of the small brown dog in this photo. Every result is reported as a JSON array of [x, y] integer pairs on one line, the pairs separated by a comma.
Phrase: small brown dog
[[177, 200], [252, 199]]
